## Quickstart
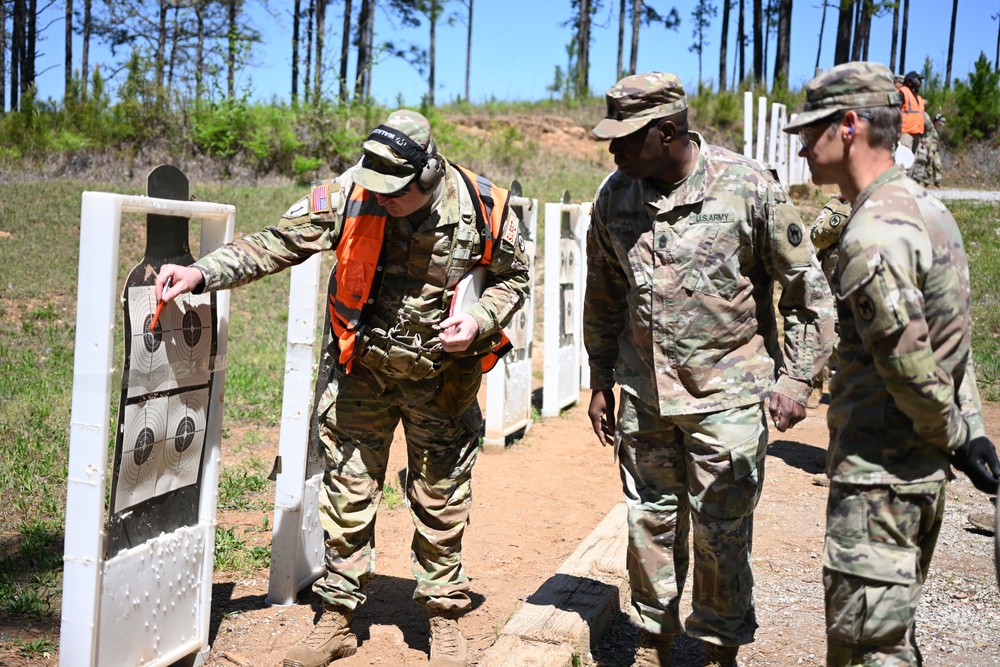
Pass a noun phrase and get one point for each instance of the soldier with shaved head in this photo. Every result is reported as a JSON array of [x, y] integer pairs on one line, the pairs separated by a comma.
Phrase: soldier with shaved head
[[904, 406], [406, 226], [686, 243]]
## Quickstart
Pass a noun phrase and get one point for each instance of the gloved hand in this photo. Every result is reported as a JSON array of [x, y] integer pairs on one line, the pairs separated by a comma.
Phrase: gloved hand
[[977, 458]]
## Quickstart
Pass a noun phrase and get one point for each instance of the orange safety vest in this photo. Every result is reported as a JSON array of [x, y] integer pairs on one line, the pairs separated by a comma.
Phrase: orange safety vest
[[360, 248], [913, 112]]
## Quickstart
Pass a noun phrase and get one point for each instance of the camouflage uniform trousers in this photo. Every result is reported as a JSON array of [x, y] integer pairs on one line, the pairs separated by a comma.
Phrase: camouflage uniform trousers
[[879, 543], [702, 471], [356, 434]]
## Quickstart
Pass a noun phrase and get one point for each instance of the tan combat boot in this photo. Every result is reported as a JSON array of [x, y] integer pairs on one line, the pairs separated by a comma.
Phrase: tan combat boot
[[720, 656], [331, 638], [448, 647], [654, 650]]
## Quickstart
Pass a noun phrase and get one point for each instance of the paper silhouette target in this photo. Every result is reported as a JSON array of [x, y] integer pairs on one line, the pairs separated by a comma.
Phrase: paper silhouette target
[[177, 352]]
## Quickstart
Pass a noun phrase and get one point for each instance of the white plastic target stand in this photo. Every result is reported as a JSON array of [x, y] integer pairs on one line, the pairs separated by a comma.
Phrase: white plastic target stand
[[149, 605], [566, 368], [297, 540]]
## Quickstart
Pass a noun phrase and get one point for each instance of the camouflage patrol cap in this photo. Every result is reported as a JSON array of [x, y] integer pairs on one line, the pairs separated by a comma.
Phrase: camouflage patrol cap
[[384, 170], [638, 99], [898, 79], [849, 86]]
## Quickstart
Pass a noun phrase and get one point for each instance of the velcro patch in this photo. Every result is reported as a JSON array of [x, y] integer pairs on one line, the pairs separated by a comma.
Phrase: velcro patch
[[320, 200]]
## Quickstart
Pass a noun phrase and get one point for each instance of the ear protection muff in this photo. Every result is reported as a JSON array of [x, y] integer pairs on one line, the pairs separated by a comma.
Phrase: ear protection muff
[[429, 168]]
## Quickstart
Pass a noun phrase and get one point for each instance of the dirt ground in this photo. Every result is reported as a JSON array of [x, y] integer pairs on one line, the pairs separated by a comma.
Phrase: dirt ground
[[536, 501]]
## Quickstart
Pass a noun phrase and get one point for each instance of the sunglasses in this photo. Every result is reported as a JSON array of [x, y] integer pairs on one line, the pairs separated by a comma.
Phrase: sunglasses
[[810, 133], [398, 193]]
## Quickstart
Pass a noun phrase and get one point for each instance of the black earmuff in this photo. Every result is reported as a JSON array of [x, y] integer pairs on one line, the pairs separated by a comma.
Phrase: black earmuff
[[429, 168]]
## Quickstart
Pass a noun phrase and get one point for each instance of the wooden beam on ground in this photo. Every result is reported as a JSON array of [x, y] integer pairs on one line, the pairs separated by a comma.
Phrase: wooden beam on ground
[[573, 608]]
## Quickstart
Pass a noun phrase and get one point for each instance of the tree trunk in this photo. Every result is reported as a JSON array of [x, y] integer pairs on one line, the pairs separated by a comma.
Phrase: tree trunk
[[320, 32], [69, 52], [845, 25], [307, 81], [174, 38], [3, 53], [768, 13], [370, 37], [201, 7], [30, 43], [782, 53], [161, 47], [231, 54], [468, 54], [359, 76], [723, 46], [296, 15], [583, 50], [17, 51], [431, 49], [758, 42], [864, 30], [742, 37], [345, 48], [902, 37], [85, 56], [895, 29], [621, 39], [951, 45], [819, 47], [636, 18], [856, 45]]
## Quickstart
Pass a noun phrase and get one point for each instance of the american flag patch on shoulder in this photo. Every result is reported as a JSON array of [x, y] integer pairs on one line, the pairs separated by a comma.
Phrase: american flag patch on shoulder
[[320, 201]]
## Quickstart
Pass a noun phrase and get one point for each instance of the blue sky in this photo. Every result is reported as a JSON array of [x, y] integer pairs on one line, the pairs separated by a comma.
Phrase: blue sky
[[518, 43]]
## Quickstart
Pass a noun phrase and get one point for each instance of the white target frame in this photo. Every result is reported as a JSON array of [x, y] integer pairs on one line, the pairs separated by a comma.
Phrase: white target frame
[[566, 370], [149, 605]]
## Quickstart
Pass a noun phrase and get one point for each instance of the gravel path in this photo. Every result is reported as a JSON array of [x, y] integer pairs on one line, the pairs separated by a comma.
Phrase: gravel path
[[979, 195]]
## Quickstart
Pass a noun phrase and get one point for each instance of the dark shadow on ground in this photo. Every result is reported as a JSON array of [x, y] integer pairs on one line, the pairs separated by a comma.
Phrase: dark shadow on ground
[[224, 605], [808, 458], [386, 597], [616, 648]]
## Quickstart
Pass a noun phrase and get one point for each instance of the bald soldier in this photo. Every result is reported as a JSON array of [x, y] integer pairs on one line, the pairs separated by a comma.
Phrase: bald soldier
[[406, 226], [685, 245], [904, 406]]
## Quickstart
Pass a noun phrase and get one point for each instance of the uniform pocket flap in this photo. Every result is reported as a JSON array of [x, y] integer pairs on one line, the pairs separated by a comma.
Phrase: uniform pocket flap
[[879, 561]]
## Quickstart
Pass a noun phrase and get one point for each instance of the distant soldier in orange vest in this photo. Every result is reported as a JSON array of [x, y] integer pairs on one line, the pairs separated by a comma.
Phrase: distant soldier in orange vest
[[913, 111], [406, 226]]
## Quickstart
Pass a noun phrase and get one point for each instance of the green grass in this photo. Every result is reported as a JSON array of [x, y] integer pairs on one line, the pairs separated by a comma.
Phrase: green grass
[[980, 225], [391, 496], [241, 490], [233, 554]]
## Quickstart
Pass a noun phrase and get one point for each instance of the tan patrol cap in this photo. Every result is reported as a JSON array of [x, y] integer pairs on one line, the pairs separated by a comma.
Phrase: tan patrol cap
[[383, 169], [848, 86], [638, 99]]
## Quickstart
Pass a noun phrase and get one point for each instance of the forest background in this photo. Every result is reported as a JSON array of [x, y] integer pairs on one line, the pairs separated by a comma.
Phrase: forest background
[[290, 87]]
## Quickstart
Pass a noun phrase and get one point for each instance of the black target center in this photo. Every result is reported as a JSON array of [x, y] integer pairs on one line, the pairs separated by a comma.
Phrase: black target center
[[185, 434], [143, 446]]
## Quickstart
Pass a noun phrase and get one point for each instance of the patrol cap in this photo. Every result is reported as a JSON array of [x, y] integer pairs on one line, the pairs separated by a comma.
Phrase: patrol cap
[[383, 170], [898, 78], [913, 76], [848, 86], [638, 99]]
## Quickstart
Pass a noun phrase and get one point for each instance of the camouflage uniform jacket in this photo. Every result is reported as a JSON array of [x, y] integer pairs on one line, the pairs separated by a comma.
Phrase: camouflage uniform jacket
[[423, 261], [905, 381], [679, 307]]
